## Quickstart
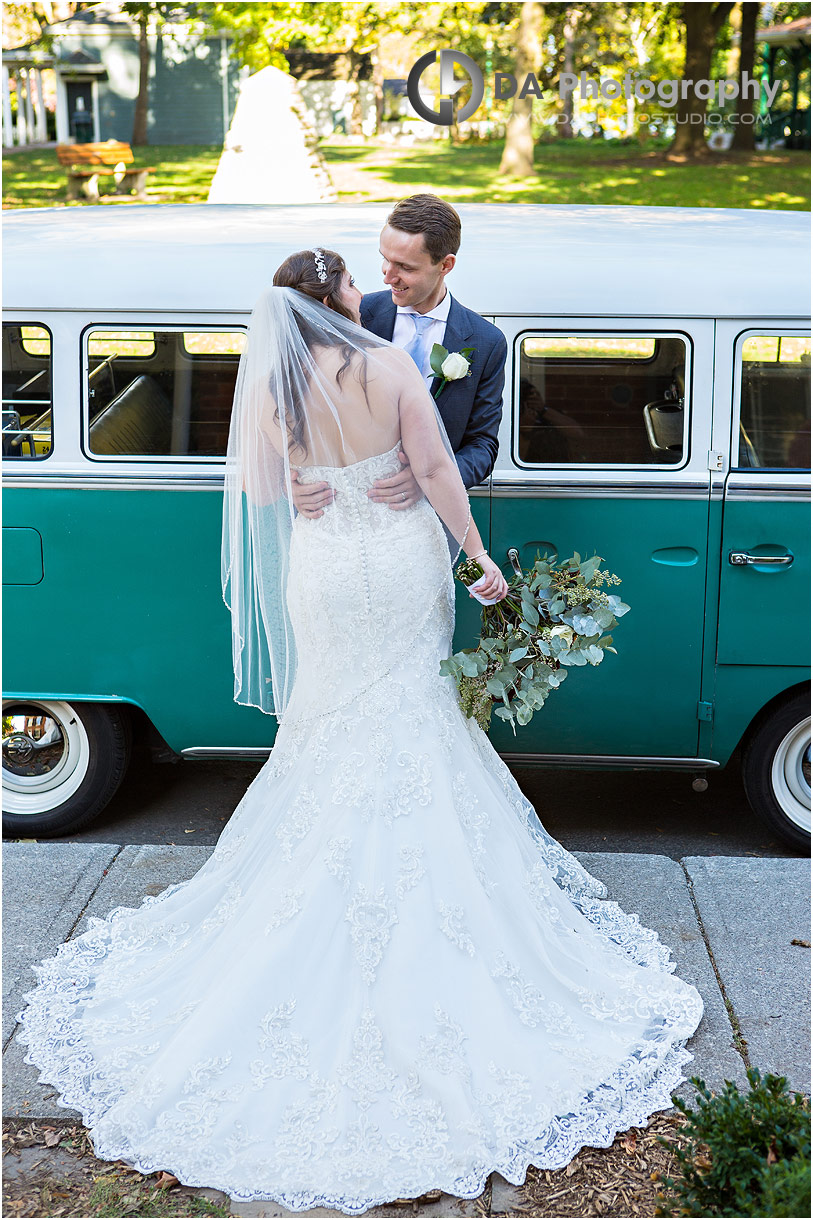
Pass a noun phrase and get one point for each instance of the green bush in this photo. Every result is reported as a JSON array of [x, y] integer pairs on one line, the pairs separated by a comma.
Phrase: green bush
[[746, 1154]]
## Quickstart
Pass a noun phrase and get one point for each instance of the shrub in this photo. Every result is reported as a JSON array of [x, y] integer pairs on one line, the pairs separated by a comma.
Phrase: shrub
[[746, 1155]]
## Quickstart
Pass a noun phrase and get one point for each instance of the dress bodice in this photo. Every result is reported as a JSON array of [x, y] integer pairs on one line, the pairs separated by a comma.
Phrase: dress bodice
[[357, 476], [352, 510]]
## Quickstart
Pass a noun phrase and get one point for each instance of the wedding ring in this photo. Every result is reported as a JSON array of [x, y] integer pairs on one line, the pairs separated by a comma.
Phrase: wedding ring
[[403, 495]]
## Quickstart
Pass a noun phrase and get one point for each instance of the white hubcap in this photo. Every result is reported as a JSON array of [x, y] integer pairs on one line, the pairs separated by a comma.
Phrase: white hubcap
[[790, 775], [45, 754]]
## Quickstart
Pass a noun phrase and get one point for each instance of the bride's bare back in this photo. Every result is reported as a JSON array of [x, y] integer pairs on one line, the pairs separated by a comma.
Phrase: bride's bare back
[[351, 406]]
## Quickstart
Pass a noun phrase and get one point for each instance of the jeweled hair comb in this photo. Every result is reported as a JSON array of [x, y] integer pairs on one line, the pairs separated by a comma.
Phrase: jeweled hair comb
[[319, 259]]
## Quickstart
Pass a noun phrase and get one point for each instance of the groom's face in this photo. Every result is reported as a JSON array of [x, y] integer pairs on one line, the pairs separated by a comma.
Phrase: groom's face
[[409, 273]]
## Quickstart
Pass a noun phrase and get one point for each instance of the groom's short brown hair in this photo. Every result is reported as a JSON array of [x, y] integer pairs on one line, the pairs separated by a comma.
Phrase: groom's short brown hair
[[436, 219]]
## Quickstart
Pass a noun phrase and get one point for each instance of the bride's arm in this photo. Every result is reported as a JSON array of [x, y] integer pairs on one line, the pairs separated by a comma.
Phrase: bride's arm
[[436, 471]]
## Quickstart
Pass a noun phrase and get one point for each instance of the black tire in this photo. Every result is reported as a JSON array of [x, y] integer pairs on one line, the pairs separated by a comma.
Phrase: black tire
[[83, 766], [776, 770]]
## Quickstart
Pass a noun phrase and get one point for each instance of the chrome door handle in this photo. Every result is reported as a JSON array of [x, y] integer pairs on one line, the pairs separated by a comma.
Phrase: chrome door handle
[[513, 559], [739, 558]]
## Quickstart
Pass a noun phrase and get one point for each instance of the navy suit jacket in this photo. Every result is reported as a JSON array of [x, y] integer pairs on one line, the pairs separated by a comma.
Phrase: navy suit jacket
[[472, 406]]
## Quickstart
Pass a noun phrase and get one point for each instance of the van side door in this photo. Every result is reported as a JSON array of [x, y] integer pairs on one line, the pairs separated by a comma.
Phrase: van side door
[[765, 561], [604, 449]]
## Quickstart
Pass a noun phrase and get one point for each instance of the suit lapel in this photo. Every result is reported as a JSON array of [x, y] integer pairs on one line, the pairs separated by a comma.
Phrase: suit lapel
[[382, 317], [455, 336]]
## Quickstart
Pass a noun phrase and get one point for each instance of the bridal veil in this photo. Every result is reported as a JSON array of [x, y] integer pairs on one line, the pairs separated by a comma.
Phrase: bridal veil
[[318, 395]]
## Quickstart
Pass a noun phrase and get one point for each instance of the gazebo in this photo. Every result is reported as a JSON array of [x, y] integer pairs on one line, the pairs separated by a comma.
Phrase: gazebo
[[789, 43], [75, 78], [25, 66]]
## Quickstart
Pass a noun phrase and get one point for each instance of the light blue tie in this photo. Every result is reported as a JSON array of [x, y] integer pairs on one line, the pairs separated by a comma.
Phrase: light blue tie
[[415, 347]]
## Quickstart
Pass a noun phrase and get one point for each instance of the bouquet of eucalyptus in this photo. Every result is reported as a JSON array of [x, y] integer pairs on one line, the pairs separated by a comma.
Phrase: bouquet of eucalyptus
[[553, 616]]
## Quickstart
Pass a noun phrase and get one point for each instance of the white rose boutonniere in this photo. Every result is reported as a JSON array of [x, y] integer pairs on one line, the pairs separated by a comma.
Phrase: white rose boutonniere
[[449, 366]]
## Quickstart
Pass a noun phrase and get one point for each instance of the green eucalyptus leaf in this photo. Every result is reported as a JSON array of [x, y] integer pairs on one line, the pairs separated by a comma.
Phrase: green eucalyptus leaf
[[603, 616], [574, 657], [618, 607], [471, 668]]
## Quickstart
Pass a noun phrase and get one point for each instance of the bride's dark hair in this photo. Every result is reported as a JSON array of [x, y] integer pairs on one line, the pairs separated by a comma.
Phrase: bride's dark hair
[[300, 271]]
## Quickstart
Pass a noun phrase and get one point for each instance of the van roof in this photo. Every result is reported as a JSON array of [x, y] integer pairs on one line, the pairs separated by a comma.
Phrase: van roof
[[514, 259]]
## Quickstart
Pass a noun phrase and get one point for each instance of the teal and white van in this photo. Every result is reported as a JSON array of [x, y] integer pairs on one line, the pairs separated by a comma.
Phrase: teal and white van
[[657, 411]]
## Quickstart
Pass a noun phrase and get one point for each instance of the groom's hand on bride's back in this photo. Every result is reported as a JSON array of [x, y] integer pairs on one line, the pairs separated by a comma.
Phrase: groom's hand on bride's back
[[310, 499], [399, 490]]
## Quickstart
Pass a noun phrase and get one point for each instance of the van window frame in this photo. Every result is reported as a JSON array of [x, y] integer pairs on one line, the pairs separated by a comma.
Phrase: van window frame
[[37, 457], [609, 332], [174, 327], [751, 332]]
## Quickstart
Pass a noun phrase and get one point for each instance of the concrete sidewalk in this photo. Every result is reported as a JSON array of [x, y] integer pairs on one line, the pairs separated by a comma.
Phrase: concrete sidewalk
[[731, 923]]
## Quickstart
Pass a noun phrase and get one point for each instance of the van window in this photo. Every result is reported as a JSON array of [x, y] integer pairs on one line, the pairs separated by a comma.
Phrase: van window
[[27, 421], [775, 402], [161, 393], [601, 399]]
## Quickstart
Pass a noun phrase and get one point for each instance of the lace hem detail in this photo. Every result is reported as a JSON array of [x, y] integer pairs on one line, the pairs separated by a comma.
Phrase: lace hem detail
[[640, 1086]]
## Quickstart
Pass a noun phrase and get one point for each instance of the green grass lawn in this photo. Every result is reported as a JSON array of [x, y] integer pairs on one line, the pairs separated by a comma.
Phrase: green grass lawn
[[182, 175], [571, 171], [567, 171]]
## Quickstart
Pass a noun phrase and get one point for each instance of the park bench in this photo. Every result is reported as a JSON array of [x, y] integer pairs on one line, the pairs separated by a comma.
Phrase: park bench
[[86, 163]]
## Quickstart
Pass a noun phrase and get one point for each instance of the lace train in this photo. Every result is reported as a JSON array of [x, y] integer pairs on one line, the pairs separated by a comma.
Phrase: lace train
[[387, 978]]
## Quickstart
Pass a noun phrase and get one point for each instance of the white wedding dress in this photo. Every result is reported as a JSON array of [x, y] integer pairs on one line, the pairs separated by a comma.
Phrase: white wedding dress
[[388, 977]]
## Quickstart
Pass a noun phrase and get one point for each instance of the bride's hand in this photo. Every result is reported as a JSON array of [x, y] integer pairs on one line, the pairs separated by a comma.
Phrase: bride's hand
[[494, 584]]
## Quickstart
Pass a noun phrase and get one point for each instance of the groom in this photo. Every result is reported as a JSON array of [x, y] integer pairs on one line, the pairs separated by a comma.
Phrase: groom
[[419, 245]]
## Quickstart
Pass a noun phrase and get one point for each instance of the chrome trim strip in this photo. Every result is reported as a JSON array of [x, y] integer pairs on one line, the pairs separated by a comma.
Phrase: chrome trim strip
[[81, 481], [634, 761], [767, 491], [248, 752], [84, 482], [529, 489], [575, 760]]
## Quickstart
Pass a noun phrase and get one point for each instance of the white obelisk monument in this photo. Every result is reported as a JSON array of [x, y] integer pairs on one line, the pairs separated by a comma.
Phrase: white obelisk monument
[[270, 154]]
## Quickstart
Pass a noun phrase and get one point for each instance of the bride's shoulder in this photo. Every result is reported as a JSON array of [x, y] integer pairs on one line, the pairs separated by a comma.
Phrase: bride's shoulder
[[395, 360]]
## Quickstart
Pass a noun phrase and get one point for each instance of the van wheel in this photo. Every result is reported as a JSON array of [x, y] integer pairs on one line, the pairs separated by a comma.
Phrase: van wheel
[[776, 770], [62, 763]]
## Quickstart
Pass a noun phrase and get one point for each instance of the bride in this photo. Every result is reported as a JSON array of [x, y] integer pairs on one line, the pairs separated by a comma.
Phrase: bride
[[388, 977]]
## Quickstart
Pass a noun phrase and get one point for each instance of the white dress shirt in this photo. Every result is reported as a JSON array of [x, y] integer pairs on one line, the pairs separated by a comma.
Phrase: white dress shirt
[[404, 330]]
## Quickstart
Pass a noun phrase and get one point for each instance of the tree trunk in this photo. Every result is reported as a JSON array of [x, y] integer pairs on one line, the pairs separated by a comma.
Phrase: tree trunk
[[518, 153], [744, 131], [571, 24], [702, 23], [356, 128], [378, 85], [140, 117]]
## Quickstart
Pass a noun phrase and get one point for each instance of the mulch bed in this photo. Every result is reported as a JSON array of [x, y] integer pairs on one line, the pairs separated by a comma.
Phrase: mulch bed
[[622, 1180], [50, 1170]]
